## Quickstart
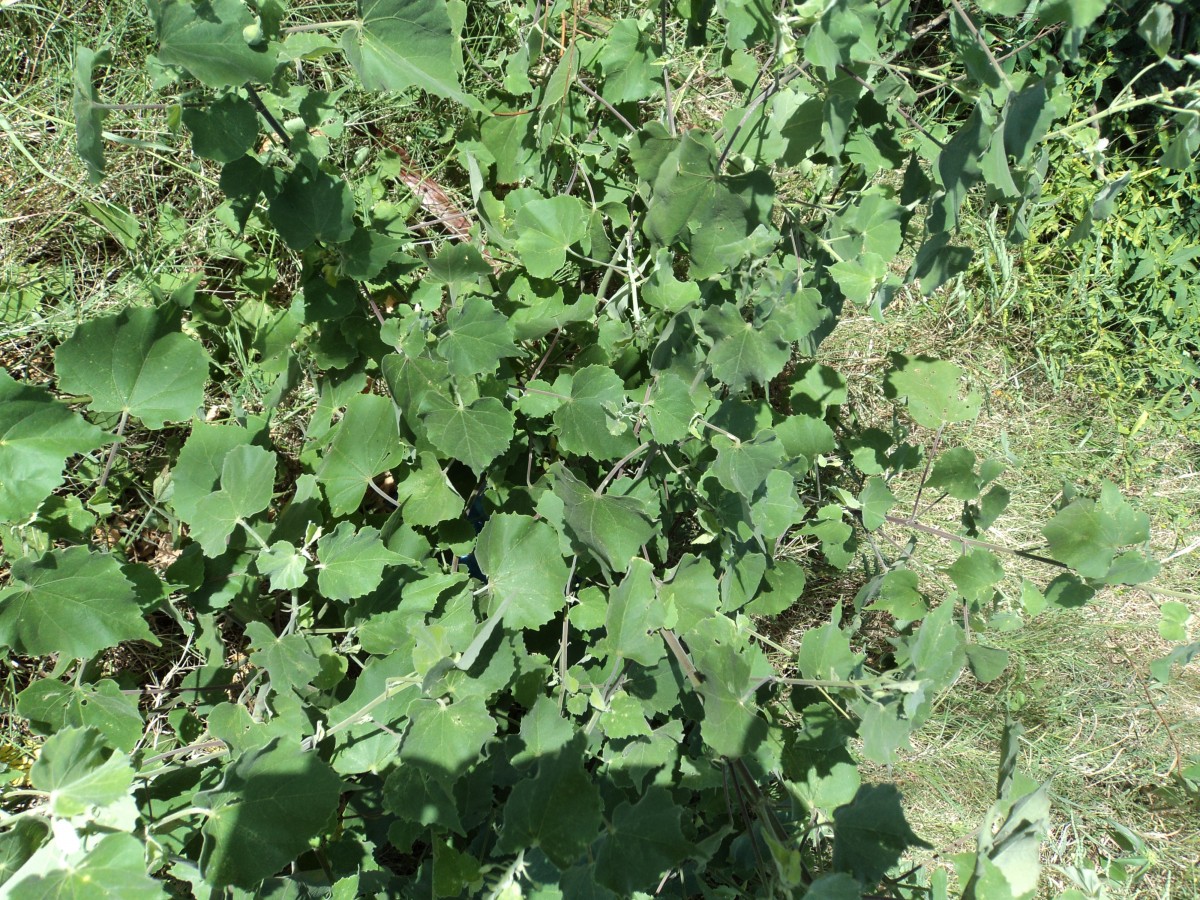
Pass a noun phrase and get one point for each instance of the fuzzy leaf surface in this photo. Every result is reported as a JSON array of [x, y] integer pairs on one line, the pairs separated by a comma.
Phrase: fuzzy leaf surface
[[70, 601], [137, 362], [37, 436]]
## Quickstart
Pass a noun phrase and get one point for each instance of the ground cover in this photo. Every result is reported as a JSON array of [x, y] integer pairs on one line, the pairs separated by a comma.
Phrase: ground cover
[[286, 652]]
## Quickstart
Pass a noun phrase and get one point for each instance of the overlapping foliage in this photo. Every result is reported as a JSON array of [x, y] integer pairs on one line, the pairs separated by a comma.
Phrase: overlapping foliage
[[495, 616]]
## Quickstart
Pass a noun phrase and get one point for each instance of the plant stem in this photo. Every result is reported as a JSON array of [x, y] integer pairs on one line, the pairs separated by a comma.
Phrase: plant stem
[[112, 452], [321, 26]]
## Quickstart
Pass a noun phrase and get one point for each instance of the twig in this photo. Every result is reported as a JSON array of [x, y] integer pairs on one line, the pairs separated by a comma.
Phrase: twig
[[112, 452], [966, 20], [612, 109], [616, 470], [256, 102], [933, 449]]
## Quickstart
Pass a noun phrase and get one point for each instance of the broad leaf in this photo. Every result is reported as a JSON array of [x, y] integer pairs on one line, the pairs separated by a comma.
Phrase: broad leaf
[[208, 39], [78, 771], [475, 338], [406, 43], [930, 389], [445, 739], [51, 706], [870, 834], [70, 602], [135, 362], [590, 422], [556, 809], [223, 130], [1087, 534], [366, 444], [474, 434], [351, 563], [524, 567], [270, 802], [645, 841], [743, 351], [612, 529], [114, 867], [89, 115], [37, 435], [545, 229], [312, 206], [683, 188], [247, 484], [634, 618]]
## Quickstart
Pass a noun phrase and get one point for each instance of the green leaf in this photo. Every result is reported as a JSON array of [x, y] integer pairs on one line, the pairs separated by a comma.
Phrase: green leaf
[[545, 229], [876, 500], [743, 351], [645, 842], [366, 444], [89, 115], [284, 565], [778, 507], [1157, 29], [51, 706], [1004, 7], [114, 867], [475, 338], [224, 130], [987, 663], [834, 887], [633, 619], [426, 496], [954, 473], [70, 602], [459, 266], [929, 387], [557, 809], [136, 362], [78, 771], [474, 434], [1076, 13], [351, 563], [407, 43], [207, 39], [825, 652], [1173, 619], [683, 188], [446, 738], [271, 800], [612, 529], [898, 595], [1086, 534], [590, 422], [859, 277], [628, 64], [670, 409], [743, 467], [37, 435], [197, 471], [544, 732], [247, 484], [524, 567], [974, 574], [289, 659], [312, 206], [870, 834], [938, 261], [416, 797]]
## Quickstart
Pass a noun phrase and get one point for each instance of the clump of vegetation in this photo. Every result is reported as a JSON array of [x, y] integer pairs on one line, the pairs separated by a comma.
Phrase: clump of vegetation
[[419, 521]]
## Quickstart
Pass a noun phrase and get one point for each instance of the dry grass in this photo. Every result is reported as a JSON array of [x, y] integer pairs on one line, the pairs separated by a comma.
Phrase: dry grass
[[1097, 726]]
